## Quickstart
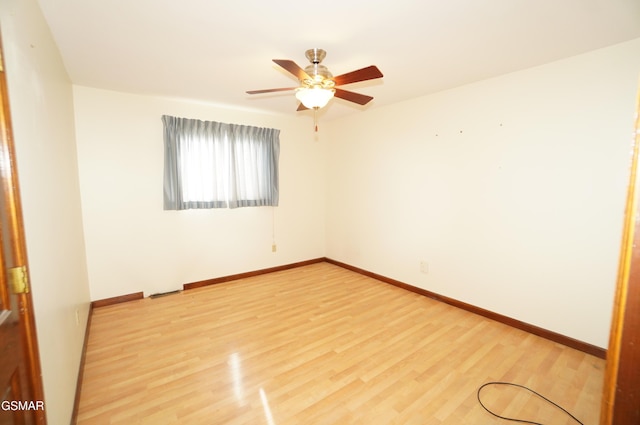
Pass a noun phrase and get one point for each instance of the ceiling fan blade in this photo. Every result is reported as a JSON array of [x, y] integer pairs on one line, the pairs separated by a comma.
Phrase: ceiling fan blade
[[293, 68], [360, 99], [270, 90], [368, 73], [301, 107]]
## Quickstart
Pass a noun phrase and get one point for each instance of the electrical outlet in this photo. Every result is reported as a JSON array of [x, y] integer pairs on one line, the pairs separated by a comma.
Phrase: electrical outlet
[[424, 267], [77, 317], [274, 248]]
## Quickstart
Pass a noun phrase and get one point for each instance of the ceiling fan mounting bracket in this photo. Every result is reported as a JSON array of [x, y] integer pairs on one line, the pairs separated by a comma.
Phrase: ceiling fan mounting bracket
[[315, 55]]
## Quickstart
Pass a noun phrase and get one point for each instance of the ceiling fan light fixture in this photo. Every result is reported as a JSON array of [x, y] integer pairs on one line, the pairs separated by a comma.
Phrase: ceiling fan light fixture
[[314, 97]]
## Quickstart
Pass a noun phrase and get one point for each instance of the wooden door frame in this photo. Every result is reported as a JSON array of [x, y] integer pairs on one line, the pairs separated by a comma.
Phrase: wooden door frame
[[14, 209], [621, 395]]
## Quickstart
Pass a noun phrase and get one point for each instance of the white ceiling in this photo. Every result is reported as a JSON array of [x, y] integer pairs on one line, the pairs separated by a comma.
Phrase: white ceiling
[[215, 50]]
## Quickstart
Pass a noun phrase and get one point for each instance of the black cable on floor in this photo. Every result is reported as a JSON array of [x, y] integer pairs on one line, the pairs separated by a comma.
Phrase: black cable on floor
[[528, 389]]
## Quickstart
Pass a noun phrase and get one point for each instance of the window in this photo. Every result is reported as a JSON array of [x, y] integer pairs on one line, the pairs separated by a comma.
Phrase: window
[[208, 164]]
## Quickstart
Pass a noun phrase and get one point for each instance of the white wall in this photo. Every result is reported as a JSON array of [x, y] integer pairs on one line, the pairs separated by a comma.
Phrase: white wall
[[511, 189], [134, 245], [42, 110]]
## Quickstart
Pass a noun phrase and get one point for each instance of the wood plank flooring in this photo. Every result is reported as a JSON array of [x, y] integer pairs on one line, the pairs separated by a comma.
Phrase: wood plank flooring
[[321, 345]]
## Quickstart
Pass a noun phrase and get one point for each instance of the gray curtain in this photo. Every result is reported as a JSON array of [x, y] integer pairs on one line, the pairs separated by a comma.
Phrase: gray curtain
[[208, 164]]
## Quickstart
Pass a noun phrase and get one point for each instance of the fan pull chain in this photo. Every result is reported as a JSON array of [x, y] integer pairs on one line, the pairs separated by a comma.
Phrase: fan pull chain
[[315, 119]]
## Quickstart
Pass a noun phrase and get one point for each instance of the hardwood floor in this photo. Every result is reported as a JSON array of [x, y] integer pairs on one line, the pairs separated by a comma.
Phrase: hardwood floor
[[321, 345]]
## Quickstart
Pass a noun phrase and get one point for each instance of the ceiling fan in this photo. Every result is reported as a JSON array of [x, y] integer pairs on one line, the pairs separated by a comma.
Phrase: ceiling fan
[[318, 85]]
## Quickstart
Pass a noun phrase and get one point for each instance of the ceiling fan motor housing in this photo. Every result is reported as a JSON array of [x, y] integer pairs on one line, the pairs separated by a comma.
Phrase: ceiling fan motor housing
[[320, 75]]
